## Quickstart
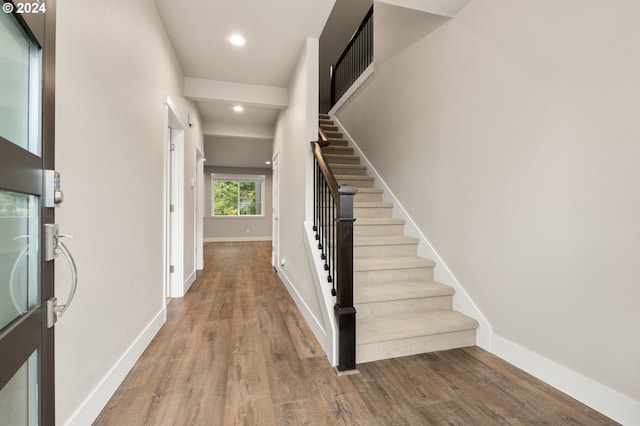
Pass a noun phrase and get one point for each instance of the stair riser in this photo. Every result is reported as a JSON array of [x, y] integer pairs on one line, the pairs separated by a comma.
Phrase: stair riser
[[331, 134], [372, 212], [356, 183], [353, 171], [388, 275], [338, 142], [342, 159], [380, 230], [400, 307], [392, 250], [415, 345], [336, 149], [367, 196], [326, 127]]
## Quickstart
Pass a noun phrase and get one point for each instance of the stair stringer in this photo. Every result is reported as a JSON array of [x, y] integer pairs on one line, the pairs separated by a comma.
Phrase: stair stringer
[[462, 302], [329, 340]]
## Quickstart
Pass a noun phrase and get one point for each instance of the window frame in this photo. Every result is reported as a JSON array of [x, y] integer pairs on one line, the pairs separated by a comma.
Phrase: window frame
[[238, 178]]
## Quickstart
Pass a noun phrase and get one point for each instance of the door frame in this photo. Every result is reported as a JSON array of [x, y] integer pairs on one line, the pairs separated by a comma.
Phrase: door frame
[[275, 209], [199, 209], [43, 29], [174, 131]]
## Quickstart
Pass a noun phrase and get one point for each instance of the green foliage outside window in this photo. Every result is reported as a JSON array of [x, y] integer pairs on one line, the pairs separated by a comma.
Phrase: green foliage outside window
[[237, 198]]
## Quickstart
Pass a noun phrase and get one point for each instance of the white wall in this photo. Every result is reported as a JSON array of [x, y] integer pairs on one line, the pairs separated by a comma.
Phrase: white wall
[[510, 135], [238, 228], [297, 126], [114, 63]]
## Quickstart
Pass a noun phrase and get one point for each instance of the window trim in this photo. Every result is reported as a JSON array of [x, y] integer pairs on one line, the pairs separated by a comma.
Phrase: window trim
[[239, 178]]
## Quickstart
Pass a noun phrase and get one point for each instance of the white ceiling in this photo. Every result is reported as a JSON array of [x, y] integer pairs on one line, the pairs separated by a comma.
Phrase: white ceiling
[[220, 111], [275, 31]]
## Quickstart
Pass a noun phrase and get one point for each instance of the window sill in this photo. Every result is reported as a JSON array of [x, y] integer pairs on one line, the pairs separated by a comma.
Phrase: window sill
[[257, 216]]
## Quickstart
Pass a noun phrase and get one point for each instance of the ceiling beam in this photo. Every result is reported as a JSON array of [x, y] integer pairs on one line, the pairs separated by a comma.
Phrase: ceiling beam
[[198, 89]]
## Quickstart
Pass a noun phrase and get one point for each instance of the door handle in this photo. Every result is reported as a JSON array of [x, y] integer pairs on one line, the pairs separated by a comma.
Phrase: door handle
[[54, 310]]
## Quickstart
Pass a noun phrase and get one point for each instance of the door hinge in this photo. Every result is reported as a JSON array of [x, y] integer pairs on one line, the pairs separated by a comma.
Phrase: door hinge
[[172, 208], [172, 146], [172, 269]]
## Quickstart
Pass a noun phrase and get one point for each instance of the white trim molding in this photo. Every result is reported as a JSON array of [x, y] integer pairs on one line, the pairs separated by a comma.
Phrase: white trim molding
[[235, 239], [315, 325], [327, 301], [189, 281], [607, 401], [89, 409]]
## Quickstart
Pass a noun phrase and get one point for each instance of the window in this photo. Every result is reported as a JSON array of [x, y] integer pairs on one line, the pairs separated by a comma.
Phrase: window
[[237, 195]]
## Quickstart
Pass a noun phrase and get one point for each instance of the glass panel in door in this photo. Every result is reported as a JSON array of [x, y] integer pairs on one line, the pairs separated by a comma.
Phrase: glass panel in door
[[20, 77], [19, 258], [19, 397]]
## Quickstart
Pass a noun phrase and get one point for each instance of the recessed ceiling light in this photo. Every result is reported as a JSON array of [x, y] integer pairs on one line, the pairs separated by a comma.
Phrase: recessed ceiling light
[[237, 40], [267, 162], [238, 108]]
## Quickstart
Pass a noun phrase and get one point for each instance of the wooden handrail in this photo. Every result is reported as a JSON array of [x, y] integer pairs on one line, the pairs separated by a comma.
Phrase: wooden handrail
[[326, 171], [323, 141]]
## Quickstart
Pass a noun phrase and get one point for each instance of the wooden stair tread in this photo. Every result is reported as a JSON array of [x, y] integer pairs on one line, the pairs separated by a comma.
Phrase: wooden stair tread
[[382, 329], [383, 240], [337, 141], [347, 166], [401, 290], [354, 177], [361, 264], [344, 148], [378, 220], [329, 157], [372, 204]]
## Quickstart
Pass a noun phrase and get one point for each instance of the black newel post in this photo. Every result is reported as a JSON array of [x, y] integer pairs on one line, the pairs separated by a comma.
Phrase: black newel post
[[344, 310]]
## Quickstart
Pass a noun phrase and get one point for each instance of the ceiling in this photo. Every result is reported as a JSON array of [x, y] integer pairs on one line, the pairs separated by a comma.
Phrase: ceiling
[[275, 32]]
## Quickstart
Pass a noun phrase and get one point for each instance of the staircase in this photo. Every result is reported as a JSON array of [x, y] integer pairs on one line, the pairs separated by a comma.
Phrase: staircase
[[401, 310]]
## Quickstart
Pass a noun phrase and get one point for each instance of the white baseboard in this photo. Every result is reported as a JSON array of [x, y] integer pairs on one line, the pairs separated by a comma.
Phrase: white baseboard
[[327, 301], [316, 325], [462, 302], [607, 401], [95, 402], [235, 239], [189, 281]]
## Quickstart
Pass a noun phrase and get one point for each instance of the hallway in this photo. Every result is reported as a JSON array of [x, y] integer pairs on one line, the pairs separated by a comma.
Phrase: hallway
[[235, 350]]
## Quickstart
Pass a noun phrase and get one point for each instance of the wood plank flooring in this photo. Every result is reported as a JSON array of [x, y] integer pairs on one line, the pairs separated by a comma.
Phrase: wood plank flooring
[[236, 351]]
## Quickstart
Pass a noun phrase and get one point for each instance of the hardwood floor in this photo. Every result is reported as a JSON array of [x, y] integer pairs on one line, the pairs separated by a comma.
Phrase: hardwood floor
[[236, 351]]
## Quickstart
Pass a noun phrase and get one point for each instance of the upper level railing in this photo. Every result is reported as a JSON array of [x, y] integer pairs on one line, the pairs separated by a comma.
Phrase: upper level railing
[[333, 227], [354, 60]]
